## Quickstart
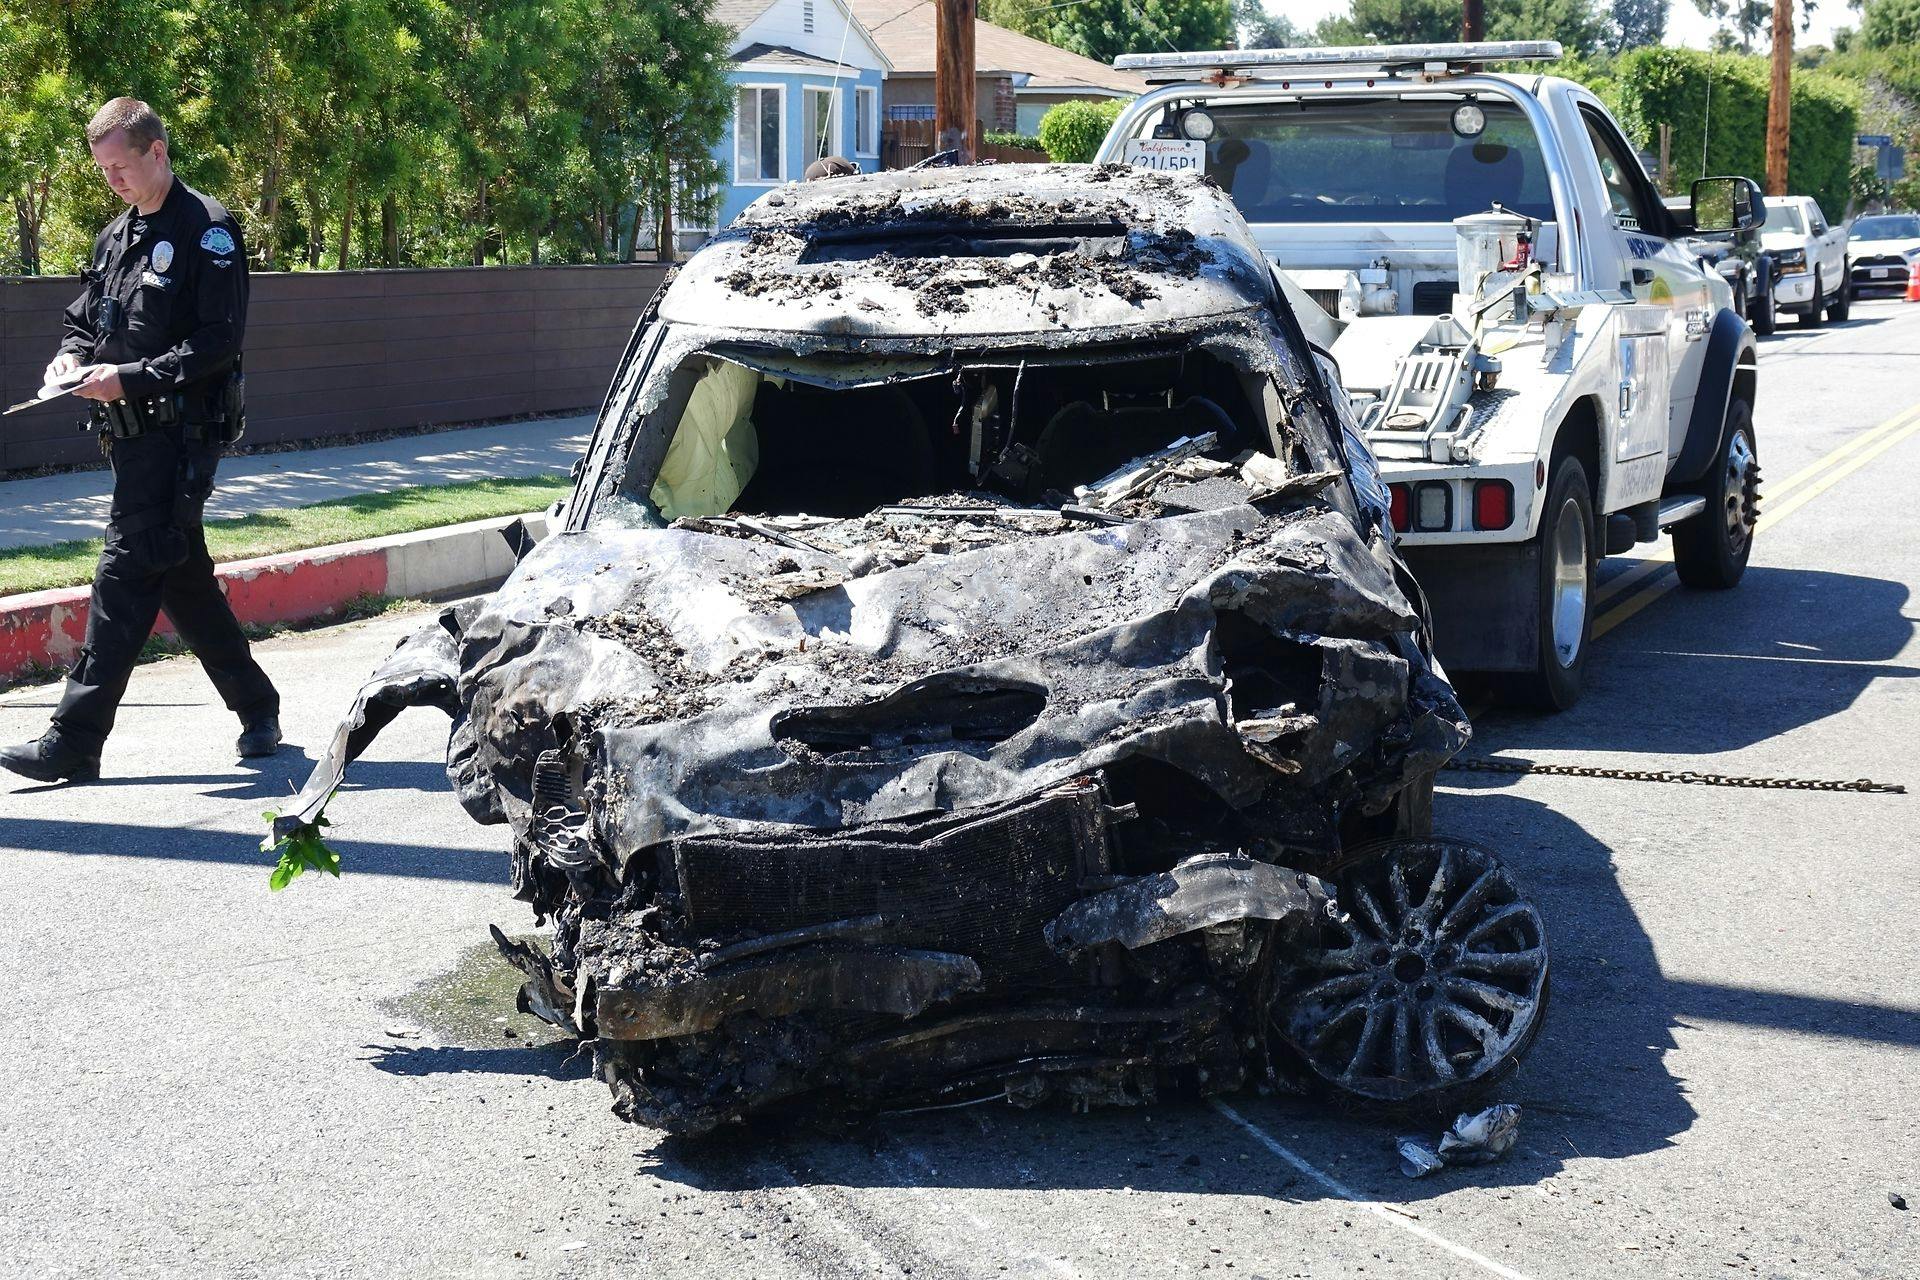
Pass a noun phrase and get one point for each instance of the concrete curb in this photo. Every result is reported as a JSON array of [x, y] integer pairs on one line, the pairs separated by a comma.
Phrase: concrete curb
[[47, 628]]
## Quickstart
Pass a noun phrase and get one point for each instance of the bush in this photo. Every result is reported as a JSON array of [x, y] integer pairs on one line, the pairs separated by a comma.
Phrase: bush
[[1071, 132], [1003, 138], [1659, 85]]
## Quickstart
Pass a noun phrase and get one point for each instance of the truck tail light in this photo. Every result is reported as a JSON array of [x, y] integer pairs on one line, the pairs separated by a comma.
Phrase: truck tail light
[[1492, 504], [1432, 506], [1402, 507]]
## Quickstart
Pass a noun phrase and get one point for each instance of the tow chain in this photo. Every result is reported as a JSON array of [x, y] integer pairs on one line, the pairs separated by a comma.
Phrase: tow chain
[[1683, 777]]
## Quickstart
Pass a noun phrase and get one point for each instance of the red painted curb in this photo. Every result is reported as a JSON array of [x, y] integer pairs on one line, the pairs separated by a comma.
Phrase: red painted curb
[[47, 628]]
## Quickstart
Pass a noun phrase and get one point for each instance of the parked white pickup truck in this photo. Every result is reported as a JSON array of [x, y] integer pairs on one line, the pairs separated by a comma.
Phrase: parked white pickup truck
[[1544, 374], [1812, 257]]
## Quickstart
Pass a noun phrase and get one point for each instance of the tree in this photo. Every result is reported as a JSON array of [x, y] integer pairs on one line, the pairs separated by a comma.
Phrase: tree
[[1259, 28], [1580, 27], [1637, 23], [1890, 24], [1105, 29], [1576, 24]]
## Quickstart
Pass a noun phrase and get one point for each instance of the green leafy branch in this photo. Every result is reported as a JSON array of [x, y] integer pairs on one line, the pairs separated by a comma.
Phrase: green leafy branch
[[303, 848]]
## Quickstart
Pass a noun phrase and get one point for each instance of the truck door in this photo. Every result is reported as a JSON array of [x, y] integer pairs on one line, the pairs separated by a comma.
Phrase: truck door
[[1662, 277]]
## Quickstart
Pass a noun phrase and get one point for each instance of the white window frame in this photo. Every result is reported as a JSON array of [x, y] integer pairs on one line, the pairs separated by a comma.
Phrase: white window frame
[[868, 147], [835, 121], [781, 177]]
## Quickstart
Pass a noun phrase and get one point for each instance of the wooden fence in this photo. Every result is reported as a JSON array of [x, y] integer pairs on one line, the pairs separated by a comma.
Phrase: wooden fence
[[349, 352], [905, 143]]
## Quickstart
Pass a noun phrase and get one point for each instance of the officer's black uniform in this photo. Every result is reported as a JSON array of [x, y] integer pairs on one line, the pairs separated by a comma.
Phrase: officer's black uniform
[[166, 301]]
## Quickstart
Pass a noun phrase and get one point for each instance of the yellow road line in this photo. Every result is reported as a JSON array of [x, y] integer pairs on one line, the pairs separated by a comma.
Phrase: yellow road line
[[1770, 492], [1907, 424]]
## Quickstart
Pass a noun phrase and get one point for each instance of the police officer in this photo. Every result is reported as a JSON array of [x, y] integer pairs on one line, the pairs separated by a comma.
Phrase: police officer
[[156, 335]]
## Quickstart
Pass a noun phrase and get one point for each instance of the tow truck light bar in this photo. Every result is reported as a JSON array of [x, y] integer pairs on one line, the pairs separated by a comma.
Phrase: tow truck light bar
[[1271, 64]]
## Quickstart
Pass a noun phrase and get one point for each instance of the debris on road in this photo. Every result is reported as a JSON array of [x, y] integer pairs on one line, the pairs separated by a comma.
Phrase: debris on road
[[1897, 1200], [1481, 1137], [986, 708]]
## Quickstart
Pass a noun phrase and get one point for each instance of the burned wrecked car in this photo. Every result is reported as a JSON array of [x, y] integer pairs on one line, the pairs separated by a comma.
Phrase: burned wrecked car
[[973, 663]]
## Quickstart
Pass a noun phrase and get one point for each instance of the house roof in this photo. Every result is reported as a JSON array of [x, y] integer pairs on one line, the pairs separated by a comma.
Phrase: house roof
[[903, 29], [779, 55], [736, 15]]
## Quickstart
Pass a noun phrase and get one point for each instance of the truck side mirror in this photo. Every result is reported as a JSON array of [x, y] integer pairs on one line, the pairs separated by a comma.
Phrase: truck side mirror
[[1726, 204]]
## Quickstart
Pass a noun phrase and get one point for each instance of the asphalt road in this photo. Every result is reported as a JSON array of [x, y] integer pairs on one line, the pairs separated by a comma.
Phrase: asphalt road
[[204, 1078]]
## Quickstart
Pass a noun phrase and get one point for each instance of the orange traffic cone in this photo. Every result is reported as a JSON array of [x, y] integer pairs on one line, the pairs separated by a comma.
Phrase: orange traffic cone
[[1913, 282]]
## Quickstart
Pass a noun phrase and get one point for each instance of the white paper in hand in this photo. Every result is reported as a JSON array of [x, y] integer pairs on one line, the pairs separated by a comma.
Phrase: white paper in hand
[[58, 387]]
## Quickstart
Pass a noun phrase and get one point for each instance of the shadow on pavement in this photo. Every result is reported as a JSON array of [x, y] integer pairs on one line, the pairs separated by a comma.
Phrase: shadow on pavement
[[193, 844], [560, 1060], [1714, 671]]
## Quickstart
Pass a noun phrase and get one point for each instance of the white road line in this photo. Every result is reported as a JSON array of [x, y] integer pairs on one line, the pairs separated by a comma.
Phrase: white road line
[[822, 1211], [1053, 1265], [1378, 1210]]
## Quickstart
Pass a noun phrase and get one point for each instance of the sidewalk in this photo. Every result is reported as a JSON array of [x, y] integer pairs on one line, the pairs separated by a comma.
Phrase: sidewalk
[[62, 508]]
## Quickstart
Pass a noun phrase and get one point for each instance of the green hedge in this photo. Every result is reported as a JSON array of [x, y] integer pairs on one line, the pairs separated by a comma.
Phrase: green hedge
[[1658, 85], [1072, 132], [1003, 138]]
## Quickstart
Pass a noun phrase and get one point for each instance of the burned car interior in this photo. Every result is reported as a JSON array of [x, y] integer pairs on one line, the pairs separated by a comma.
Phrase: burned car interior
[[1021, 700]]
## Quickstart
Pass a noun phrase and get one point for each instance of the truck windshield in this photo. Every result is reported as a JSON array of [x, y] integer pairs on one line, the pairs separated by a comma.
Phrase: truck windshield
[[1785, 217], [1374, 160]]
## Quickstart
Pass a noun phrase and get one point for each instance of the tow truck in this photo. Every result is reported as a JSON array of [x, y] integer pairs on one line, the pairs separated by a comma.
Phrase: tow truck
[[1544, 372]]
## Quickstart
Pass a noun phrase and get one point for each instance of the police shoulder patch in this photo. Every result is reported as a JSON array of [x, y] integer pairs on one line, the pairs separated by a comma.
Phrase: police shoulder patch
[[217, 241]]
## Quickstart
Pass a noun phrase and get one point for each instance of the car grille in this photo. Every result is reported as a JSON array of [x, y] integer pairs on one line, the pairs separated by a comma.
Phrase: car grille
[[1894, 265], [983, 887]]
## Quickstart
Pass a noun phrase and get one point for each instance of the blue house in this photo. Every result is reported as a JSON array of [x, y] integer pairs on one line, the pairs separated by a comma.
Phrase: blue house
[[807, 81]]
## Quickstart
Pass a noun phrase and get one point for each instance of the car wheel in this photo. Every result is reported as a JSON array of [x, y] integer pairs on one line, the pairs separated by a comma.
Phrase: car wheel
[[1710, 550], [1842, 304], [1564, 602], [1817, 308], [1764, 314], [1430, 984]]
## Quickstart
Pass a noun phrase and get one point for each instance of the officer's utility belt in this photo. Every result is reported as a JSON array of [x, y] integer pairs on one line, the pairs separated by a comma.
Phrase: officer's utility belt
[[126, 419]]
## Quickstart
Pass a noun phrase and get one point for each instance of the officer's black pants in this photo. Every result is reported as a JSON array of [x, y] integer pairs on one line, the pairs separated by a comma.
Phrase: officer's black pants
[[144, 570]]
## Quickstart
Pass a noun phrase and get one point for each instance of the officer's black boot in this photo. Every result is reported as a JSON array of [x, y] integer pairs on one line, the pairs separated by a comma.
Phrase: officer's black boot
[[260, 738], [51, 759]]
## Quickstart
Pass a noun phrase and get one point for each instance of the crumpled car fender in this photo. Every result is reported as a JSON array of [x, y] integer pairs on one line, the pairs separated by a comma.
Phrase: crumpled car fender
[[1197, 893]]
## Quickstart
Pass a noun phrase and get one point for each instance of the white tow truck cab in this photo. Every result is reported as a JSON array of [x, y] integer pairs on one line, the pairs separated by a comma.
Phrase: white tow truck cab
[[1544, 373]]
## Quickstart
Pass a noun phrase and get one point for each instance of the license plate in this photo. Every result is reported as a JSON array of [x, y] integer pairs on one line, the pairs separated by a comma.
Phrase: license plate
[[1166, 155], [1879, 273]]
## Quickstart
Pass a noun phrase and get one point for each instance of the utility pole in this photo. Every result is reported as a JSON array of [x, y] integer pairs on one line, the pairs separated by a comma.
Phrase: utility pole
[[1473, 20], [953, 77], [1780, 100]]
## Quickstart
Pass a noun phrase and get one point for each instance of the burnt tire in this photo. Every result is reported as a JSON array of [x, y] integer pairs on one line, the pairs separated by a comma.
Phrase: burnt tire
[[1564, 600], [1430, 987], [1710, 550]]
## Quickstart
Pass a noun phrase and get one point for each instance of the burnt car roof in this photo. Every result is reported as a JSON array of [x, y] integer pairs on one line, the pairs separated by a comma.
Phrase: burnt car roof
[[1010, 249]]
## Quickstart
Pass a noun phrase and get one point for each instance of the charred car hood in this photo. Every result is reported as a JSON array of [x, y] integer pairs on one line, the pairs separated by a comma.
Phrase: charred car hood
[[957, 681]]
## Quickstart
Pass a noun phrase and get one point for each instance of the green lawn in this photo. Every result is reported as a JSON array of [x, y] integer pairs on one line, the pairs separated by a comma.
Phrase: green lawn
[[367, 515]]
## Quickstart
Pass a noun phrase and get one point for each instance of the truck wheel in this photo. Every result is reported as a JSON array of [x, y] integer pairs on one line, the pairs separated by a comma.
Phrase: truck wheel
[[1765, 316], [1817, 308], [1740, 296], [1565, 603], [1710, 550], [1842, 304]]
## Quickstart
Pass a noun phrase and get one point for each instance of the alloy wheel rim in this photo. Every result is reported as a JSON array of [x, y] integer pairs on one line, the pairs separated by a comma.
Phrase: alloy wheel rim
[[1433, 977]]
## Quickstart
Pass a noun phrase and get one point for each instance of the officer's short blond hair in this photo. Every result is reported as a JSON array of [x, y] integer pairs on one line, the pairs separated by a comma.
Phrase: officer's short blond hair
[[143, 125]]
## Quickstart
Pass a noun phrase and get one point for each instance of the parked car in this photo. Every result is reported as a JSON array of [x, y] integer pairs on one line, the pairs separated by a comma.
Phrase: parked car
[[1545, 372], [1885, 250], [974, 662], [1812, 256], [1748, 269]]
